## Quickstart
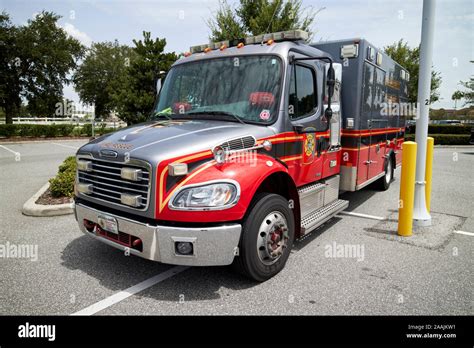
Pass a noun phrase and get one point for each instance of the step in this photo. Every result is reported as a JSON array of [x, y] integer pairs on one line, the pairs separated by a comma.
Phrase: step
[[320, 216], [310, 189]]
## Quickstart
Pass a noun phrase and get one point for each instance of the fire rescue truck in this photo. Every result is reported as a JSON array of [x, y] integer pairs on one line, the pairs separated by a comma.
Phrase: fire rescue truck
[[250, 144]]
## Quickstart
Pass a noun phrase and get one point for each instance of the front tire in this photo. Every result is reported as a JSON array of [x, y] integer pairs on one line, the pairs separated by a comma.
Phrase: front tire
[[384, 182], [267, 237]]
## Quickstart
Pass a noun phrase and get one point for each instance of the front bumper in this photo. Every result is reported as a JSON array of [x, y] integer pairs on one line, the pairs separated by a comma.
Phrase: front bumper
[[213, 246]]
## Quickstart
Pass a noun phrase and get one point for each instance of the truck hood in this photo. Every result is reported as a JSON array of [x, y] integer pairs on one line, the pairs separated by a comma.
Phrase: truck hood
[[157, 140]]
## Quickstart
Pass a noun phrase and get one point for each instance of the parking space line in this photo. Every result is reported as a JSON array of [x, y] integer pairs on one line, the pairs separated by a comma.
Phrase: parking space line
[[122, 295], [17, 154], [465, 233], [68, 146], [365, 216]]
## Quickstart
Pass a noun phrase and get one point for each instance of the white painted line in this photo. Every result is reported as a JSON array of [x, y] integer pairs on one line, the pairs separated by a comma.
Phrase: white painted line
[[68, 146], [122, 295], [17, 154], [466, 233], [6, 148], [365, 216]]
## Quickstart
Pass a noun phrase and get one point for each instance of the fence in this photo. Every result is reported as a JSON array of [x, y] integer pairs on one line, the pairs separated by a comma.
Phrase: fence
[[66, 120]]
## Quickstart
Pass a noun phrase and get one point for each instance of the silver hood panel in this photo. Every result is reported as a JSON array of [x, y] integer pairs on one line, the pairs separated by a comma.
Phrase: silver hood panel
[[159, 140]]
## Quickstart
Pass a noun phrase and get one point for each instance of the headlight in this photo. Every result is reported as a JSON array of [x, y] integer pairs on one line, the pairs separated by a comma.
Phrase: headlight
[[207, 196]]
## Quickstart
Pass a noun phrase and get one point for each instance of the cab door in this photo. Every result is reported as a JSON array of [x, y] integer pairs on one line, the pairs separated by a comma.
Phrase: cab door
[[304, 110]]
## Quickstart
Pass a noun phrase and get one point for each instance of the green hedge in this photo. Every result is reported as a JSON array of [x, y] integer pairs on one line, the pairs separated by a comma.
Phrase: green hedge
[[445, 139], [444, 129], [50, 131], [63, 184]]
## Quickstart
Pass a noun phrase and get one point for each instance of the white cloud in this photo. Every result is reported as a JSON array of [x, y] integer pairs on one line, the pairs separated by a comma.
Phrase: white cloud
[[77, 34]]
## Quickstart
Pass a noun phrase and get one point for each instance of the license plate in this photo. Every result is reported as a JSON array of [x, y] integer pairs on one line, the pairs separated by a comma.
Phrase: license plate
[[108, 223]]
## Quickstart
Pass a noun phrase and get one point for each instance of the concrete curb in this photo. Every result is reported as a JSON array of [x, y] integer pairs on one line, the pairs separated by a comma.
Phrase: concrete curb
[[30, 208]]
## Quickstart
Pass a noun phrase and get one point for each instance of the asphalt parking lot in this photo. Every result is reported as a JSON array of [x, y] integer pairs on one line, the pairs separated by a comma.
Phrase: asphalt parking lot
[[74, 272]]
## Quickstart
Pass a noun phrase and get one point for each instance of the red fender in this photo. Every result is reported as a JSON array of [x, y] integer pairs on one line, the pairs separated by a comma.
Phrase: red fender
[[249, 174]]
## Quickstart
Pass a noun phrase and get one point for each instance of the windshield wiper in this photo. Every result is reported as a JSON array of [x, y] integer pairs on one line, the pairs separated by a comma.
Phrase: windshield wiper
[[159, 114], [225, 113]]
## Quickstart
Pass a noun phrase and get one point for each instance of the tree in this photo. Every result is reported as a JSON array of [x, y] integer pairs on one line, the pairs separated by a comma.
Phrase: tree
[[10, 84], [458, 95], [35, 60], [255, 17], [135, 91], [409, 58], [105, 63], [469, 94]]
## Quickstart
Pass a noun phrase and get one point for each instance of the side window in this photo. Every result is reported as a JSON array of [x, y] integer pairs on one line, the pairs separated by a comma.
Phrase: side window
[[302, 96]]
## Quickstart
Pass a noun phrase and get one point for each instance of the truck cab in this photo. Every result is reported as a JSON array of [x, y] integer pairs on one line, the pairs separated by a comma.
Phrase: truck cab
[[241, 156]]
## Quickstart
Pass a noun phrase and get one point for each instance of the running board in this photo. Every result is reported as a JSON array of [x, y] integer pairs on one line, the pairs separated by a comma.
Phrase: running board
[[320, 216]]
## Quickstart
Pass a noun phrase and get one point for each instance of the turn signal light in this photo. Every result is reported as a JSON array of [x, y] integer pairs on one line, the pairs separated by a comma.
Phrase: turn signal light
[[178, 169], [84, 166]]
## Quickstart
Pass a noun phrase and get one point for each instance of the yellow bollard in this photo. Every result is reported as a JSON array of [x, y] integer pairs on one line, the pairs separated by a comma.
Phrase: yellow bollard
[[407, 189], [429, 171]]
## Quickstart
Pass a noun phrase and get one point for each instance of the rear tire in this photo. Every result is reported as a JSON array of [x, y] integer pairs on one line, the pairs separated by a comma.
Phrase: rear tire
[[384, 181], [267, 237]]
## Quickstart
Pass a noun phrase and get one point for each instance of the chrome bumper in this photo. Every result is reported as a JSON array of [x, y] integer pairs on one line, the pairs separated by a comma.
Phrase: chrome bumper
[[213, 246]]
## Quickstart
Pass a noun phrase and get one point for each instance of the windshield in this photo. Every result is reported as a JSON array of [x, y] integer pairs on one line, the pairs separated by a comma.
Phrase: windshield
[[247, 88]]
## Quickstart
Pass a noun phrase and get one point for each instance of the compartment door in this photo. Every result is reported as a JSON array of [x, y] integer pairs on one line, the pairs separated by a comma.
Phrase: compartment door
[[365, 121], [377, 127]]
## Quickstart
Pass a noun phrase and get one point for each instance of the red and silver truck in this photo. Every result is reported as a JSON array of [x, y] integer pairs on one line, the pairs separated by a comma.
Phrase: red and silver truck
[[248, 148]]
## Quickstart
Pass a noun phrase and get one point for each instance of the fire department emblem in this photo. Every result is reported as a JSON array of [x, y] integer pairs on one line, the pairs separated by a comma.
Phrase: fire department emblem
[[309, 145]]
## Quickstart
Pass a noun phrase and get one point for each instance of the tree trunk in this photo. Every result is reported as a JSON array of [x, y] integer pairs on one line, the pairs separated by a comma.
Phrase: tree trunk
[[9, 113]]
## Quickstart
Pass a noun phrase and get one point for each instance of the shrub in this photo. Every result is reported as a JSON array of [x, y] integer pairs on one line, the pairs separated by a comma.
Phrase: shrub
[[87, 129], [108, 130], [64, 130], [76, 132], [7, 130], [449, 129], [36, 130], [62, 185], [445, 139], [443, 129]]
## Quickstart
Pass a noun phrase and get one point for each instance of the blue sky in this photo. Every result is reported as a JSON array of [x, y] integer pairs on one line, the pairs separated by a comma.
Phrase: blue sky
[[182, 23]]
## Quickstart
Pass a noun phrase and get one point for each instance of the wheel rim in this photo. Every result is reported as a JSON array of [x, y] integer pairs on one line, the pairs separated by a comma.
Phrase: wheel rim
[[272, 239], [388, 174]]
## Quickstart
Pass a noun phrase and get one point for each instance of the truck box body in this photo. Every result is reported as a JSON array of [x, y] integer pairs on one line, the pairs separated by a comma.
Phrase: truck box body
[[371, 83]]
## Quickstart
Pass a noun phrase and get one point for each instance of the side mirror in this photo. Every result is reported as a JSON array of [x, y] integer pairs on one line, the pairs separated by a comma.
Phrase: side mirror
[[331, 81]]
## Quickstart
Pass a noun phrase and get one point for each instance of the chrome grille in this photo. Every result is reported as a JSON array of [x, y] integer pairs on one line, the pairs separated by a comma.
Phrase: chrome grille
[[239, 143], [108, 185]]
